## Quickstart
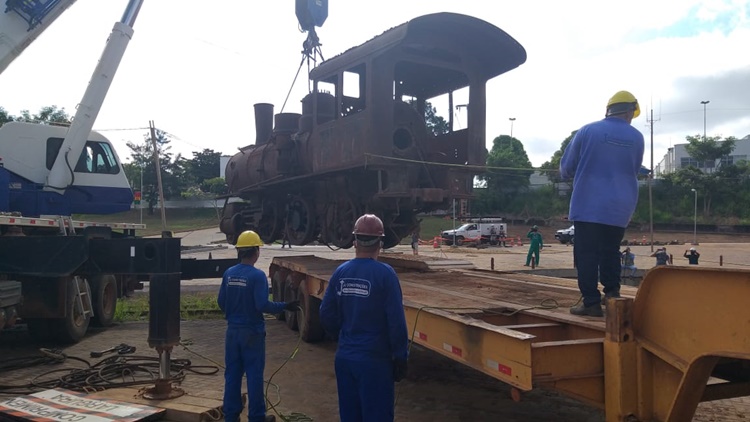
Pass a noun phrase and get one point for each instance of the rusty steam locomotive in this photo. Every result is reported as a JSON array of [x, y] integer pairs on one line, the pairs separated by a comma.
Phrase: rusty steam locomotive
[[362, 142]]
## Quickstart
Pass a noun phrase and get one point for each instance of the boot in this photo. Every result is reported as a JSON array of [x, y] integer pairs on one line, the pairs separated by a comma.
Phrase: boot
[[271, 418], [593, 310]]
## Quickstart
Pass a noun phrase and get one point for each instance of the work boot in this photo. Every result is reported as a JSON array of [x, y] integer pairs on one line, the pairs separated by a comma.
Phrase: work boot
[[593, 310], [612, 294], [271, 418]]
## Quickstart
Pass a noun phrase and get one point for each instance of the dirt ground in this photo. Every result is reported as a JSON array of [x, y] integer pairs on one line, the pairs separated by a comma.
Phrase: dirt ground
[[436, 389]]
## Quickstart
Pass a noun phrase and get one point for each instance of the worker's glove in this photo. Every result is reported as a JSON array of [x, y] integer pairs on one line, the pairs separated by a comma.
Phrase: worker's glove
[[399, 369], [292, 306]]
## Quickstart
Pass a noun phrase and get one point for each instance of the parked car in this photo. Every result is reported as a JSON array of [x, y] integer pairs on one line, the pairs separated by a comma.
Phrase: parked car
[[566, 235]]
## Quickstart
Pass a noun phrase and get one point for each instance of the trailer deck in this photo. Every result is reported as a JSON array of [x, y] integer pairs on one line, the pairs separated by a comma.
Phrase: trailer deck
[[650, 358]]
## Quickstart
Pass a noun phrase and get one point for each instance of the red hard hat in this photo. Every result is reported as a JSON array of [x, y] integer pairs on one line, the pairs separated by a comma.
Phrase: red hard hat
[[369, 225]]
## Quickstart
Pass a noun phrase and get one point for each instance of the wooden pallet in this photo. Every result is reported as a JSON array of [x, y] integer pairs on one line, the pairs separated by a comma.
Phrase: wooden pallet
[[186, 408]]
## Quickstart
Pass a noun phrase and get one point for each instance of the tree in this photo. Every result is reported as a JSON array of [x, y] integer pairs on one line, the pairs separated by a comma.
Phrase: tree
[[5, 117], [506, 175], [707, 151], [172, 170], [551, 168], [50, 115], [436, 124], [204, 166], [216, 186]]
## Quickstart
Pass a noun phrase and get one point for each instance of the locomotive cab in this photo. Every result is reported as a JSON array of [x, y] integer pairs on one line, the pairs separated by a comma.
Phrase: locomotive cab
[[395, 126]]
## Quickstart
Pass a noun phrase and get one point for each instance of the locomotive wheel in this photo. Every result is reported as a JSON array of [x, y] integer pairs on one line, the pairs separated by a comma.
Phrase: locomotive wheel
[[398, 228], [271, 225], [340, 218], [301, 221]]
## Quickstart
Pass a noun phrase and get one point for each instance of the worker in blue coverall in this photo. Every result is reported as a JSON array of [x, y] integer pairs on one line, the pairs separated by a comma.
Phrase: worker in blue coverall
[[243, 296], [363, 308], [603, 159], [535, 245]]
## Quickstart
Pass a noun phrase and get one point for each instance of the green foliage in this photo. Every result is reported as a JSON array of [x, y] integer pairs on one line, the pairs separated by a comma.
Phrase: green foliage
[[551, 168], [204, 166], [710, 149], [716, 183], [173, 170], [215, 186], [50, 115], [506, 175], [436, 124], [5, 117], [192, 306]]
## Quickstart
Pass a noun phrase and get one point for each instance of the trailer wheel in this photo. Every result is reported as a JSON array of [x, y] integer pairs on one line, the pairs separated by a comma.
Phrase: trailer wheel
[[289, 294], [104, 299], [277, 283], [308, 319], [73, 327]]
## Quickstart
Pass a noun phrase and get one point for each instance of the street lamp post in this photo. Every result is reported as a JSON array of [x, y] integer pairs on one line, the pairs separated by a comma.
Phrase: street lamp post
[[704, 117], [695, 218], [512, 119]]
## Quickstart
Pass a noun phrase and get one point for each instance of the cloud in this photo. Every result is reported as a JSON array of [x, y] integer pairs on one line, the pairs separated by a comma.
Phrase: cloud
[[196, 70]]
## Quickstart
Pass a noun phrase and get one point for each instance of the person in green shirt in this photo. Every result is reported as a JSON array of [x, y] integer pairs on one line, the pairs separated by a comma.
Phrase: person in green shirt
[[536, 245]]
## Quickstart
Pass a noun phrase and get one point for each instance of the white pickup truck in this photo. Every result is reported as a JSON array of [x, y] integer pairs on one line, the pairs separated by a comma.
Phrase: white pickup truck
[[566, 235], [473, 231]]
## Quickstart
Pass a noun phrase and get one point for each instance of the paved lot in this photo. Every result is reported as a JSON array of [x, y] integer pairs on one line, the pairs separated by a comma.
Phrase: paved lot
[[436, 390]]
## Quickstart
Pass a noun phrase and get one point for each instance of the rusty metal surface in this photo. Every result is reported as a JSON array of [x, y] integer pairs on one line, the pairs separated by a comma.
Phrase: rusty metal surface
[[370, 148]]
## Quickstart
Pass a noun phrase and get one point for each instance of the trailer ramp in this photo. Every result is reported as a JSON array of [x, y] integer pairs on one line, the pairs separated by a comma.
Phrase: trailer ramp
[[683, 337]]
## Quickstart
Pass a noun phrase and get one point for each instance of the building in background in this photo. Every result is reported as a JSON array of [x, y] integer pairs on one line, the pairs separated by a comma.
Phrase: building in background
[[677, 157]]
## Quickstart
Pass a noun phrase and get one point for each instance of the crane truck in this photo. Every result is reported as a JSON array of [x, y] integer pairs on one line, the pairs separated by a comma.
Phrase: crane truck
[[57, 274]]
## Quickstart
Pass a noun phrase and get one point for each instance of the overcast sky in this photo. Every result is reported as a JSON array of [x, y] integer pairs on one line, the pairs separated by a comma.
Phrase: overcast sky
[[196, 70]]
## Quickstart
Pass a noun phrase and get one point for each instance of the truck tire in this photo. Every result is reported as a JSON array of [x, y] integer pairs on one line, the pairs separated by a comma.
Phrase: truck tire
[[73, 327], [104, 299], [308, 319], [277, 290], [290, 294], [459, 241]]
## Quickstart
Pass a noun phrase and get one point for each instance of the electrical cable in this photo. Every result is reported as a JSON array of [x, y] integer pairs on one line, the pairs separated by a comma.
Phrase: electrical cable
[[112, 372]]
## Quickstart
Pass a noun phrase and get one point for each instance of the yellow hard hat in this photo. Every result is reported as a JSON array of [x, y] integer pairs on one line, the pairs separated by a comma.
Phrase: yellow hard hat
[[625, 97], [248, 239]]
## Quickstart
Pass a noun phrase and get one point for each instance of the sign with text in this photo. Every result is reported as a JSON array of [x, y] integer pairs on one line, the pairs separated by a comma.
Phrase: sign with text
[[67, 406]]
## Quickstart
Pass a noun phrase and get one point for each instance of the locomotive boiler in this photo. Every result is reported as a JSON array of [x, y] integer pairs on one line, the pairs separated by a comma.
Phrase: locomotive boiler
[[362, 142]]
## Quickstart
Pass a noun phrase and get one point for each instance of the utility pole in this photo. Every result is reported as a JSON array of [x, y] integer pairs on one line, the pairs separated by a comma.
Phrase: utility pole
[[512, 119], [704, 118], [650, 182], [158, 177]]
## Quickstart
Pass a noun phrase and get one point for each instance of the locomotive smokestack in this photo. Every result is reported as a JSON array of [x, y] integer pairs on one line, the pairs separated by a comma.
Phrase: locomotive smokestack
[[263, 122]]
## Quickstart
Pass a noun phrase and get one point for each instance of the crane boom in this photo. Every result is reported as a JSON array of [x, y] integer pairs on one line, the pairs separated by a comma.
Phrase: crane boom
[[22, 22], [61, 173]]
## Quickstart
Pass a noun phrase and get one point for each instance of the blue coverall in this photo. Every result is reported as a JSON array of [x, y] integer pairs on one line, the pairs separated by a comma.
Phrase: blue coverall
[[363, 306], [243, 296]]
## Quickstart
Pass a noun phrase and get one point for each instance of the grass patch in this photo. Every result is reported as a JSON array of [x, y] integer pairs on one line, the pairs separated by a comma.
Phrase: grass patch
[[192, 306], [178, 219]]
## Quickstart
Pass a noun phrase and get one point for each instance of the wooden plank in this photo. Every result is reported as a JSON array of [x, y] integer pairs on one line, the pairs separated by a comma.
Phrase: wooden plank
[[186, 408]]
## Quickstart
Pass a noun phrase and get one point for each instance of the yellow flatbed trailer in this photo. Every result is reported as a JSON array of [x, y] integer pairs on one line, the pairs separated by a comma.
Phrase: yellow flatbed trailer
[[682, 337]]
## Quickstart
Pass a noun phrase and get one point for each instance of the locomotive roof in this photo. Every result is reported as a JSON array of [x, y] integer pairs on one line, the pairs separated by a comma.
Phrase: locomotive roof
[[493, 49]]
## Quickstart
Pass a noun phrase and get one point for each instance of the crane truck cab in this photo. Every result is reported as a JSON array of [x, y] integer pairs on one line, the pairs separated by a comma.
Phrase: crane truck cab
[[28, 151]]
